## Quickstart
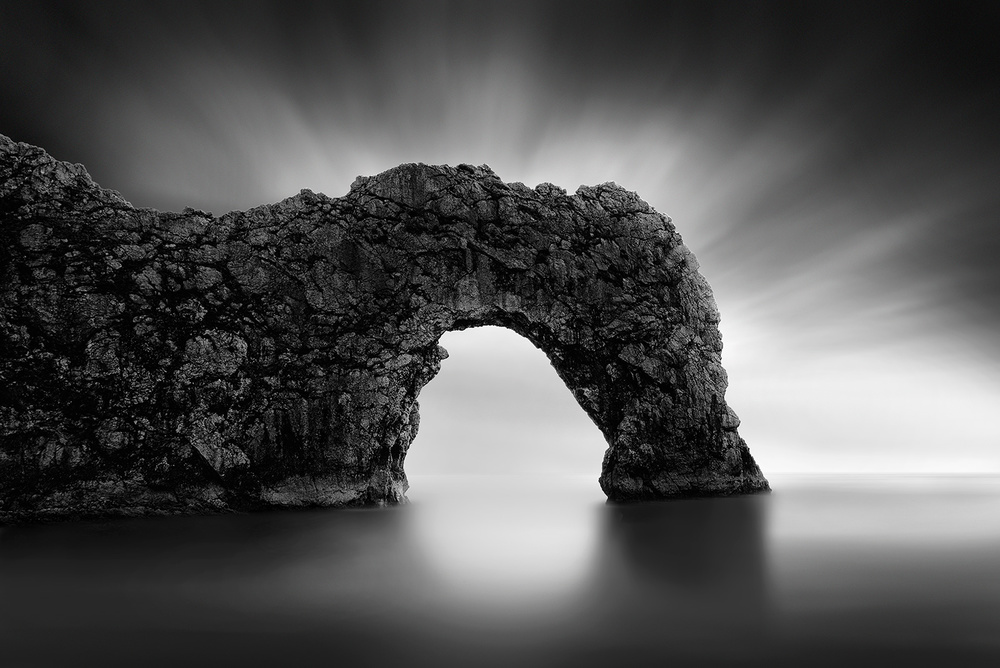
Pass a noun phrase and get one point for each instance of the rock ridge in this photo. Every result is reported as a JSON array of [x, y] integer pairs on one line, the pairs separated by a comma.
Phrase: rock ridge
[[157, 362]]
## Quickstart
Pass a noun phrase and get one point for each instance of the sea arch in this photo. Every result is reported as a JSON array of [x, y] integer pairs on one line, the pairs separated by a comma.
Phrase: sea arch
[[598, 281], [180, 362]]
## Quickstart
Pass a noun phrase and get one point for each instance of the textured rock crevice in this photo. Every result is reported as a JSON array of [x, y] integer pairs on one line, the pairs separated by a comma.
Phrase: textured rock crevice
[[181, 362]]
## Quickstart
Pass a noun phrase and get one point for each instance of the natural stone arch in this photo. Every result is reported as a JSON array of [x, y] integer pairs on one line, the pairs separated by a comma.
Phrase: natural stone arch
[[162, 362]]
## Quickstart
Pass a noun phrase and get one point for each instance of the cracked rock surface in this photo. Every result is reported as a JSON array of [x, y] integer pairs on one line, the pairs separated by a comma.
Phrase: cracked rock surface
[[180, 362]]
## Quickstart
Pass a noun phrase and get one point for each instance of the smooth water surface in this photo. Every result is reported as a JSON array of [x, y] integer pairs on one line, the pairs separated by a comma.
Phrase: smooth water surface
[[825, 571]]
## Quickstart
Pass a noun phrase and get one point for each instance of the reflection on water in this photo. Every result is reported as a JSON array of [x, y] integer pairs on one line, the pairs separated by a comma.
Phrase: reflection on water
[[824, 571], [506, 544]]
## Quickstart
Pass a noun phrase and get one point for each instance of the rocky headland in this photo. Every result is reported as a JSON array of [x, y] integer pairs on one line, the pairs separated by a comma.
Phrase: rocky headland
[[155, 363]]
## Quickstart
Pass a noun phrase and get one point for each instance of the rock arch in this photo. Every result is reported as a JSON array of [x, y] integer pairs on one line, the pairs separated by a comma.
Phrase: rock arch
[[179, 362]]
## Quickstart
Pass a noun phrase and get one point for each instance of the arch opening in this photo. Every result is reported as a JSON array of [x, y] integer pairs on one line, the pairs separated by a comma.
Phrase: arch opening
[[497, 408]]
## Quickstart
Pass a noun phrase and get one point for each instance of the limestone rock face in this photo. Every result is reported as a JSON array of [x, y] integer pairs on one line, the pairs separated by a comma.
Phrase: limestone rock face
[[178, 362]]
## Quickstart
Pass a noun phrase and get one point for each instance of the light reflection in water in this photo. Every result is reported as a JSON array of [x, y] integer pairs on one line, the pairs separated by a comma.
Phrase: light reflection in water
[[506, 542], [825, 571]]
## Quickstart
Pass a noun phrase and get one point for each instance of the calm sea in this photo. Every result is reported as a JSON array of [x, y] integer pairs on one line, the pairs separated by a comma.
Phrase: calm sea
[[825, 571]]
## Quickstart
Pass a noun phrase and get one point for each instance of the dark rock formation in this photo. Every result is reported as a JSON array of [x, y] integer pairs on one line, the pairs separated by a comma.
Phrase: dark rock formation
[[178, 362]]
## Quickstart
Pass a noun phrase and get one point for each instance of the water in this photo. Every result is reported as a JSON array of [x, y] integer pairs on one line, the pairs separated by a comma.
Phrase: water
[[826, 571]]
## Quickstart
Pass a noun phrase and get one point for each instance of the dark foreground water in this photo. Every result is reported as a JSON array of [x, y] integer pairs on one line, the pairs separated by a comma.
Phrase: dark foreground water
[[831, 571]]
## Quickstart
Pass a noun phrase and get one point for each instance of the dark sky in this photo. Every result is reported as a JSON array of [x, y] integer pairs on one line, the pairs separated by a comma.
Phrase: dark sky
[[834, 165]]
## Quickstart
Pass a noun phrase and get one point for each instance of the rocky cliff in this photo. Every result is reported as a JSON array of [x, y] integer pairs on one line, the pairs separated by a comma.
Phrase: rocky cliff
[[180, 362]]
